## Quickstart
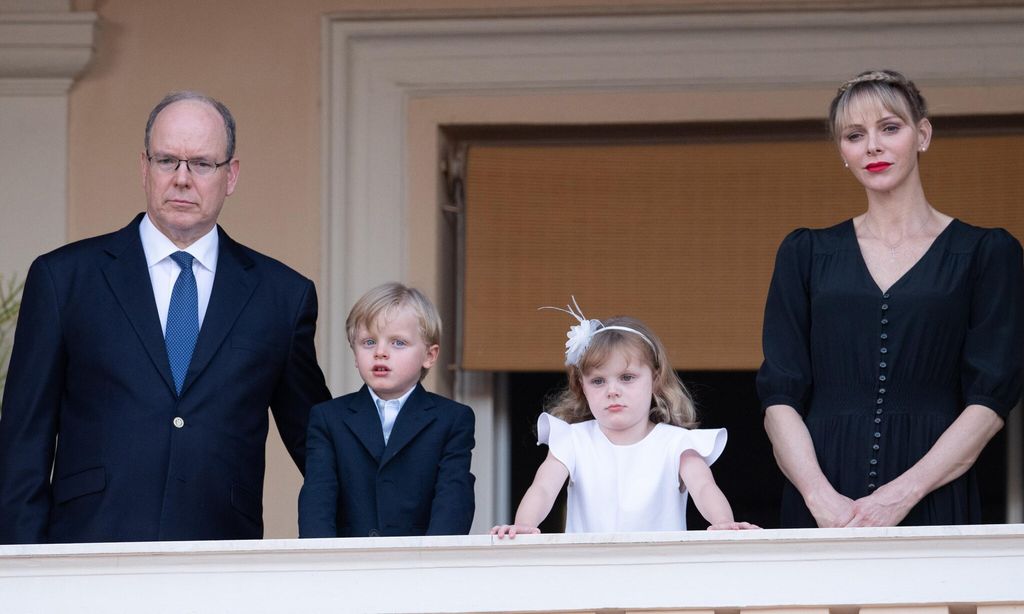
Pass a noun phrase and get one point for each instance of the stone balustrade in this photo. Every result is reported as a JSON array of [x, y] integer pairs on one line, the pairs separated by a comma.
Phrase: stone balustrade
[[917, 570]]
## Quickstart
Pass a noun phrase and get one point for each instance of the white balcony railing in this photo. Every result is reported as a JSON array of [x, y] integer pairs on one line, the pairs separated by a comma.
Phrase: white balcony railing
[[958, 569]]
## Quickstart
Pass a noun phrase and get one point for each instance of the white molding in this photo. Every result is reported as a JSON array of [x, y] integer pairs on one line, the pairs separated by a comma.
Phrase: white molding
[[43, 49], [720, 570], [476, 389], [35, 87], [373, 68], [55, 47], [34, 6]]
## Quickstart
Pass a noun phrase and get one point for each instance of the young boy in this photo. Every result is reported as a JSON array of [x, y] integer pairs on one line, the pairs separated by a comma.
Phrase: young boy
[[392, 458]]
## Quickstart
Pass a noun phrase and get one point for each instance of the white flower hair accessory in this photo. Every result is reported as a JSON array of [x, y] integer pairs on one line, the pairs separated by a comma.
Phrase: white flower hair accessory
[[580, 335]]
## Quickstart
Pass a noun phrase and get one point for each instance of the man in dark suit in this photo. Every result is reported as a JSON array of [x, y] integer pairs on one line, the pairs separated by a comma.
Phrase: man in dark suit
[[145, 360]]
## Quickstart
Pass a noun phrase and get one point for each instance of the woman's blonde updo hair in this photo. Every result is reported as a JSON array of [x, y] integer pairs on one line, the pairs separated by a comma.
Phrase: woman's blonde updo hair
[[670, 402], [886, 88]]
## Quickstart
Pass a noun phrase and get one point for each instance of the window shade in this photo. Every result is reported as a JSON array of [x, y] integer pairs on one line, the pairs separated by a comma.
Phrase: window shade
[[680, 235]]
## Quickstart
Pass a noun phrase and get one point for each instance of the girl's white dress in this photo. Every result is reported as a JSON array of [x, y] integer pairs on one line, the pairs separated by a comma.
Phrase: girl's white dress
[[635, 487]]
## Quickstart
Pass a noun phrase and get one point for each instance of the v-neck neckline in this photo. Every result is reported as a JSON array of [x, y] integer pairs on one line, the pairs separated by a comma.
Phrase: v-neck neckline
[[864, 263]]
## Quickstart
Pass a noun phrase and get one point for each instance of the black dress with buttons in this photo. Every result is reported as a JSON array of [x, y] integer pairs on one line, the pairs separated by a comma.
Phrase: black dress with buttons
[[879, 376]]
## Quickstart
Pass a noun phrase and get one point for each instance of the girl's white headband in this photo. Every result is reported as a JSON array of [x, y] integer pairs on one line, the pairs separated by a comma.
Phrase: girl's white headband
[[581, 334]]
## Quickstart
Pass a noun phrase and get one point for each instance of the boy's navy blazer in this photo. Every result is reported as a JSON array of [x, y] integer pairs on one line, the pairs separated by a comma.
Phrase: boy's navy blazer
[[418, 484], [90, 396]]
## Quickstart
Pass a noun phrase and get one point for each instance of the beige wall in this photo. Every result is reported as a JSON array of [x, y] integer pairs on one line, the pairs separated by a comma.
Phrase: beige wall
[[262, 58]]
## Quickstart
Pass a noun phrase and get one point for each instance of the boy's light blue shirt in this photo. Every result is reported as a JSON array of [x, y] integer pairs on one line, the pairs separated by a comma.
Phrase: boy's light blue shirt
[[388, 410]]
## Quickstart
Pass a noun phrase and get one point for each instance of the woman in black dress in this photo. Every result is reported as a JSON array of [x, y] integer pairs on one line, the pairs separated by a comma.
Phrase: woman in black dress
[[893, 342]]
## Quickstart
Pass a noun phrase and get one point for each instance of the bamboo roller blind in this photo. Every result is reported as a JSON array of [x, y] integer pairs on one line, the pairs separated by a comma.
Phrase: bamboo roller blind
[[680, 235]]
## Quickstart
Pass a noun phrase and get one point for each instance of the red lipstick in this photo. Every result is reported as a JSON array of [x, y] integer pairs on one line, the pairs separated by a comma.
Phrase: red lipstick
[[877, 167]]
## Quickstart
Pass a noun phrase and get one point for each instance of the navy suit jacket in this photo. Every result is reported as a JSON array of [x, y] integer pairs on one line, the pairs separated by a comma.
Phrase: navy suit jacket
[[89, 394], [419, 484]]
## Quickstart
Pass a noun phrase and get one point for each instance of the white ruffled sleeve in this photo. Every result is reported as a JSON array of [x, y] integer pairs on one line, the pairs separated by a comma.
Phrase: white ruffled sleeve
[[557, 434], [709, 443]]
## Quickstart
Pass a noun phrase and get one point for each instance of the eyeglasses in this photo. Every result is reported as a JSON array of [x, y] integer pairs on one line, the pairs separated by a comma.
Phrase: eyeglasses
[[196, 166]]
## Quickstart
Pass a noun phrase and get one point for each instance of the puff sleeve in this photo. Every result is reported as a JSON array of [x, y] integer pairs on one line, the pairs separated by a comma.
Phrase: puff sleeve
[[709, 443], [557, 434], [993, 354], [785, 376]]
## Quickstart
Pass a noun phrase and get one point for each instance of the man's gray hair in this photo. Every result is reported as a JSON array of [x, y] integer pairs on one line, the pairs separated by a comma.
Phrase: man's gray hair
[[169, 99]]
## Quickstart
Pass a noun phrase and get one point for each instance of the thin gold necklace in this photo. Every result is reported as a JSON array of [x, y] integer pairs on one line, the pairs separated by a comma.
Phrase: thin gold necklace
[[894, 248]]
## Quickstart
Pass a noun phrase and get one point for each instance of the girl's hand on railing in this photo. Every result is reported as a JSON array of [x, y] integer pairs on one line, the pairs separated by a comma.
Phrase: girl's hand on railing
[[512, 530], [732, 526]]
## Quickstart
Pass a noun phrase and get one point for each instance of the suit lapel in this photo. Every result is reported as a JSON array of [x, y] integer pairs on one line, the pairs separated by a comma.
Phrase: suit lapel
[[416, 414], [361, 417], [233, 285], [131, 285]]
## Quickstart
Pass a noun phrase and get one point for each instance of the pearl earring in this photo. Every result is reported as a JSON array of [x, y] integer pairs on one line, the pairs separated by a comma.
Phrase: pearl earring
[[846, 164]]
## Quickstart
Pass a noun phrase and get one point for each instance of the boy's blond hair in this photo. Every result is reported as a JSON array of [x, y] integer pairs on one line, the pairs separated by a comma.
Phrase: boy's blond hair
[[386, 299]]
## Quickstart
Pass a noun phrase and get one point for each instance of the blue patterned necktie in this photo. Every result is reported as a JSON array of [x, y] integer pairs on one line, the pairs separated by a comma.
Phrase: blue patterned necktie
[[182, 319]]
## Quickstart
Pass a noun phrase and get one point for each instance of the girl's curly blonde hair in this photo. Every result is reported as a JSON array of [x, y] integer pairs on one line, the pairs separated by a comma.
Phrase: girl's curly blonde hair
[[670, 401]]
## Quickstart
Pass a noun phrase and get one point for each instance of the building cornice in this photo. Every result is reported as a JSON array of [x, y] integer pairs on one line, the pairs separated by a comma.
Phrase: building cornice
[[43, 53]]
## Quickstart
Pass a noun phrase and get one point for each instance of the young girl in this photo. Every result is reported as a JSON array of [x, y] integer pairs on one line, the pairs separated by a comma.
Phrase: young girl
[[620, 434]]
